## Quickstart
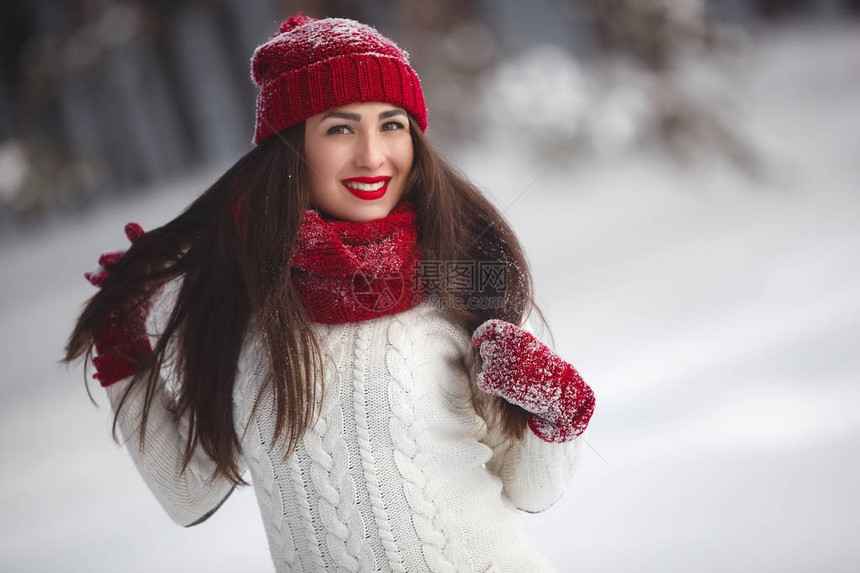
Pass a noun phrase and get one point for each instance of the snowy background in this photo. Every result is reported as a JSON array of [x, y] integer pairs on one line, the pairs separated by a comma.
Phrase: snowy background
[[715, 313]]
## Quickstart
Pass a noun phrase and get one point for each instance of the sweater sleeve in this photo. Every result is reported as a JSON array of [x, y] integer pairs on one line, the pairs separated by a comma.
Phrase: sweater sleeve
[[189, 497], [534, 473]]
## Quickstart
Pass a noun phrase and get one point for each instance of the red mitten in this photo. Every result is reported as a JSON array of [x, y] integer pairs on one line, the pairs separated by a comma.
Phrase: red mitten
[[524, 371], [121, 342]]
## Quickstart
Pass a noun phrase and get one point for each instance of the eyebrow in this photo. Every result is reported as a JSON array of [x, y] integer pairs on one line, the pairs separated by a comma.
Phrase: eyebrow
[[357, 118], [342, 115], [391, 113]]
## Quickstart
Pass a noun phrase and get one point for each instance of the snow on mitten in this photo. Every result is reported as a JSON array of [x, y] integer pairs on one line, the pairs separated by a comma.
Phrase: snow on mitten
[[121, 342], [524, 371]]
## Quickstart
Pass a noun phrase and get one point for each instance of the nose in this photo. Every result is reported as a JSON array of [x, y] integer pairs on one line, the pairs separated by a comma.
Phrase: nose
[[371, 151]]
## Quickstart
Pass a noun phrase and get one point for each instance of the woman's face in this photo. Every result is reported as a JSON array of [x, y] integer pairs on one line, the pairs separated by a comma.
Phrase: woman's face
[[359, 158]]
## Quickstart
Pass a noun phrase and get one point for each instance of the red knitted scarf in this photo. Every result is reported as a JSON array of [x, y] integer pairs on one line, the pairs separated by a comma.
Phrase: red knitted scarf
[[350, 272]]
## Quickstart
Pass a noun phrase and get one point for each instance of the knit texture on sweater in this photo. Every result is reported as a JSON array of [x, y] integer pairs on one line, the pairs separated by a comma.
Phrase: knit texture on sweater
[[398, 474]]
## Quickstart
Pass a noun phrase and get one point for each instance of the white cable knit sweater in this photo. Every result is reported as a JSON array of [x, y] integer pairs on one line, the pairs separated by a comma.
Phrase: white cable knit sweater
[[399, 473]]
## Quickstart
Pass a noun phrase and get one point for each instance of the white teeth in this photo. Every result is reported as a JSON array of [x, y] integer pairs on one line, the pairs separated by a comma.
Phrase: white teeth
[[365, 186]]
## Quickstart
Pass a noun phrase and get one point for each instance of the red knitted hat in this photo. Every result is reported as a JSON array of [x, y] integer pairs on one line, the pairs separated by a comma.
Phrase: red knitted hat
[[313, 65]]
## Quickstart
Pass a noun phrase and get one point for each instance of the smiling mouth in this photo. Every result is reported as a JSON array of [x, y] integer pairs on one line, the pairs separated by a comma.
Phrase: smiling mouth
[[367, 188]]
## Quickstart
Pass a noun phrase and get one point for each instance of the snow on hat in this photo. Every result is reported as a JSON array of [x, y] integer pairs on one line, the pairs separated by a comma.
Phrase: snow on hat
[[313, 65]]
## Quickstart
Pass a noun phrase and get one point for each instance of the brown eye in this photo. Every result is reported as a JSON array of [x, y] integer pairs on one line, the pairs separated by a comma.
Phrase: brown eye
[[338, 130], [392, 126]]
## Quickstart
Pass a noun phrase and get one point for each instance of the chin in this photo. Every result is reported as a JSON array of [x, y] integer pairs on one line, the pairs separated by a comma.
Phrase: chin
[[356, 210], [356, 214], [368, 212], [364, 215]]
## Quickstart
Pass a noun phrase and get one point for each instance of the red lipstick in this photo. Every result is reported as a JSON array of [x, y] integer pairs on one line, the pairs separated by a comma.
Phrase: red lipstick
[[368, 188]]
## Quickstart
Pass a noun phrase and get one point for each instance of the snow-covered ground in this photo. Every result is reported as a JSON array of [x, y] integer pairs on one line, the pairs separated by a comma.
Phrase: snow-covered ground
[[715, 315]]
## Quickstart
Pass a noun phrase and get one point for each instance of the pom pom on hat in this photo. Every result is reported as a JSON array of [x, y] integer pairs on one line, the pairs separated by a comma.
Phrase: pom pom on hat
[[313, 65], [294, 22]]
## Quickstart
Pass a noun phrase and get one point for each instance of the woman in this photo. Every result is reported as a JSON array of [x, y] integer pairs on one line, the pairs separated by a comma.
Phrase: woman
[[316, 325]]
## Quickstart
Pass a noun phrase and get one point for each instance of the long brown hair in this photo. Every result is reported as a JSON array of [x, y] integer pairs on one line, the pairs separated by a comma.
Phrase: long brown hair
[[231, 249]]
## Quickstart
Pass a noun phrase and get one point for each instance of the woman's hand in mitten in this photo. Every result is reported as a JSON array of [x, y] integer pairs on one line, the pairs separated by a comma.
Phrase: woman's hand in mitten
[[524, 371], [121, 341]]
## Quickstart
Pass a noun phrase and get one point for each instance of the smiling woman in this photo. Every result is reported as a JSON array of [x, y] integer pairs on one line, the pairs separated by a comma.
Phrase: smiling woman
[[360, 156], [299, 346]]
